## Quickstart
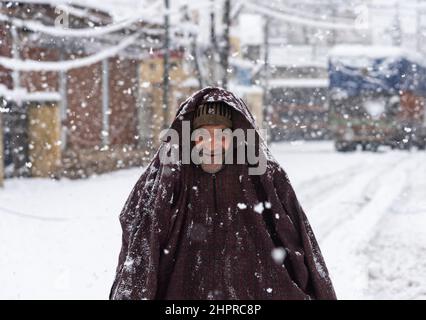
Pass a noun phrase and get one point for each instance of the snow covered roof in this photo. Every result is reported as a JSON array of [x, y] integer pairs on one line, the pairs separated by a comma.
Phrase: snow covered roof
[[365, 50], [33, 65], [241, 90], [374, 52], [297, 56], [191, 82], [299, 83], [251, 29], [356, 69], [23, 95], [118, 9]]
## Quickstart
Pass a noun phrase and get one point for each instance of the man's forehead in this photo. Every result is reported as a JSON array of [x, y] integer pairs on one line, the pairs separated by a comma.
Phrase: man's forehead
[[213, 126]]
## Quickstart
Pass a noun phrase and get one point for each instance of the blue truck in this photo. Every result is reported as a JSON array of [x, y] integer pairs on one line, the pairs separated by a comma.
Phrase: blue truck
[[376, 97]]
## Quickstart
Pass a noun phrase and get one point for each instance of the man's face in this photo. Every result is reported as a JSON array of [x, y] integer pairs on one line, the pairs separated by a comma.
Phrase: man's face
[[214, 146]]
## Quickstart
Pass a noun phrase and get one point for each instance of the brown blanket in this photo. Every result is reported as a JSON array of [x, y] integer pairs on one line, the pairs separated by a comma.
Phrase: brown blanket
[[188, 234]]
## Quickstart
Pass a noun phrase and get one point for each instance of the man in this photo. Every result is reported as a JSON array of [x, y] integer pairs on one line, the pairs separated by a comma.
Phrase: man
[[214, 229], [214, 118]]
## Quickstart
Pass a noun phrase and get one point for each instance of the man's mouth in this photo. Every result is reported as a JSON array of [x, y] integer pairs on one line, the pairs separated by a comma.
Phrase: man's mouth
[[215, 158], [208, 154]]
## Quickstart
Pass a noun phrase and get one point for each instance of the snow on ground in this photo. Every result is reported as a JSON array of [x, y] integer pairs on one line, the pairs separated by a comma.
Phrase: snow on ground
[[61, 239], [368, 211]]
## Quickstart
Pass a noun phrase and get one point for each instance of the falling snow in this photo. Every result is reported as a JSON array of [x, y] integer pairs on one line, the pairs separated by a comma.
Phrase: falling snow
[[241, 206], [342, 96]]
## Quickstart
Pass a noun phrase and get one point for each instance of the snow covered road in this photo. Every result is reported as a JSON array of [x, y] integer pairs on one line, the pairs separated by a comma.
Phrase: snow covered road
[[368, 210], [369, 215]]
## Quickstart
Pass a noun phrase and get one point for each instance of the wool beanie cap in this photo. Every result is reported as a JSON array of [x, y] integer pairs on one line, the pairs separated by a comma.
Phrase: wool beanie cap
[[213, 113]]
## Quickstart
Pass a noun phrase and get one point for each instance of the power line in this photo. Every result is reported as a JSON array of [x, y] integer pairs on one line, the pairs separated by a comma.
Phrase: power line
[[33, 65], [82, 32], [301, 20]]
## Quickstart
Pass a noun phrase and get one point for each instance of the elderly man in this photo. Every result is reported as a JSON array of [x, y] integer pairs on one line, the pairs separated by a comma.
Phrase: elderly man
[[214, 229]]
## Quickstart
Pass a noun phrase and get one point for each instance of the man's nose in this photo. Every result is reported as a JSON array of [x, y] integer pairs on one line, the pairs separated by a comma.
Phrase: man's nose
[[212, 143]]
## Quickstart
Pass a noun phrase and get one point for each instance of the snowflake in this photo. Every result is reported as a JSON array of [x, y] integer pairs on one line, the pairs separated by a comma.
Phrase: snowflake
[[259, 207], [242, 206], [278, 254]]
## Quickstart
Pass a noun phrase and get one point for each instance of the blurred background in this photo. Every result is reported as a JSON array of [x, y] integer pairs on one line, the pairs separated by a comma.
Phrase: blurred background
[[87, 86]]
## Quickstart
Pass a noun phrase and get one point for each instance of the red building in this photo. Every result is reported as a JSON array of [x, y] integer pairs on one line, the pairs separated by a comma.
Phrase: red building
[[73, 100]]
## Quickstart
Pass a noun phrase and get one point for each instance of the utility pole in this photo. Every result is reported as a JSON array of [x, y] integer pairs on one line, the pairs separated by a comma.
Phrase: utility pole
[[19, 134], [64, 98], [166, 65], [194, 50], [266, 75], [105, 104], [1, 150], [396, 28], [334, 15], [418, 32], [213, 47], [226, 48]]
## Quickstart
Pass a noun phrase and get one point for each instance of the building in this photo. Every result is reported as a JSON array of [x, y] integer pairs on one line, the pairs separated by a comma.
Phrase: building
[[80, 104], [298, 91]]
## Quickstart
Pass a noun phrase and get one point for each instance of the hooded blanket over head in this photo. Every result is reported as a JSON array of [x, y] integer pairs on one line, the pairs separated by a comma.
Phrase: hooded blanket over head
[[189, 234]]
